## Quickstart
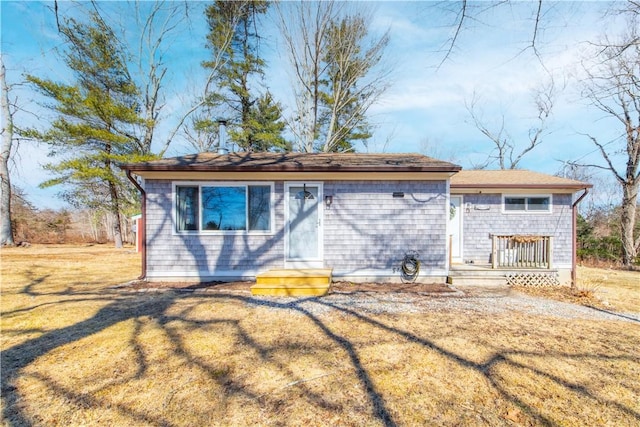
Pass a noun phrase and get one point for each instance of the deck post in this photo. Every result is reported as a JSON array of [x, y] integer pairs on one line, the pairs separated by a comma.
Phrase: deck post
[[550, 252], [494, 250]]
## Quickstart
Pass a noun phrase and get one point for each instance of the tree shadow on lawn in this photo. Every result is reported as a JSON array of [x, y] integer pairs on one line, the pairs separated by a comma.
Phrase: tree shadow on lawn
[[157, 307]]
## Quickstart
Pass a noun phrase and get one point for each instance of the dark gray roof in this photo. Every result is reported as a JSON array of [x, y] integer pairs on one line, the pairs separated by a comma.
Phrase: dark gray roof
[[296, 162]]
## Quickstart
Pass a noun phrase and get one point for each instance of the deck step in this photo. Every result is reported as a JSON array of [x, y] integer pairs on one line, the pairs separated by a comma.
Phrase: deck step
[[485, 275], [293, 282], [475, 280]]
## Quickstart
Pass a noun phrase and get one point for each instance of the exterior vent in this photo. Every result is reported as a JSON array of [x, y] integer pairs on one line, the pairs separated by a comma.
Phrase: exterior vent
[[222, 137]]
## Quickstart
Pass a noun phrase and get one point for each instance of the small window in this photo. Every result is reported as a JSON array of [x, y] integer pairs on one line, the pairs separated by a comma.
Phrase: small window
[[538, 204], [259, 207], [187, 208], [527, 204], [515, 204]]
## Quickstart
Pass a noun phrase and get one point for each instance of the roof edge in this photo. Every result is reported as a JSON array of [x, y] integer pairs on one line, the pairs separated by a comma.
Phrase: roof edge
[[141, 167], [577, 186]]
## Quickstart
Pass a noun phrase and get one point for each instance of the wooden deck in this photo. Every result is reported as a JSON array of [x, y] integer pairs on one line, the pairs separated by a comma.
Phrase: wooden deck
[[293, 282], [485, 274]]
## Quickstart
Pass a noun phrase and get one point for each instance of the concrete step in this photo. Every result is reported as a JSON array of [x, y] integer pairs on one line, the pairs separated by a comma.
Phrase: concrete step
[[293, 282], [473, 280]]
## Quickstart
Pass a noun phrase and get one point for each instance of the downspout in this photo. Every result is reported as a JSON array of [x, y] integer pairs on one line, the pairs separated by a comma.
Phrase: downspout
[[143, 226], [575, 237]]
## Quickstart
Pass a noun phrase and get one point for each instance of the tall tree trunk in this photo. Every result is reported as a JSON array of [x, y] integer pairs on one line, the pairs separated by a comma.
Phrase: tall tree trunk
[[115, 211], [627, 223], [6, 233], [114, 203]]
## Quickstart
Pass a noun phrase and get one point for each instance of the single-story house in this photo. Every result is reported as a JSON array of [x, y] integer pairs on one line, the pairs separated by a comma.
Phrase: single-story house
[[212, 216]]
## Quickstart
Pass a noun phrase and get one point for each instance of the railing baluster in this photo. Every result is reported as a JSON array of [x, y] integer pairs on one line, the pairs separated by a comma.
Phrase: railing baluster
[[521, 251]]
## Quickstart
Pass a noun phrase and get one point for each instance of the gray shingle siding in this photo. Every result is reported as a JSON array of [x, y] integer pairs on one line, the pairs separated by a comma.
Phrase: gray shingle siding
[[484, 217], [168, 252], [366, 228]]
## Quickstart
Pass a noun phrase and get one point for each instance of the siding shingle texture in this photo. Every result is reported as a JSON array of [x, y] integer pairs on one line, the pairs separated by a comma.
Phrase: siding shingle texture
[[479, 224], [365, 228]]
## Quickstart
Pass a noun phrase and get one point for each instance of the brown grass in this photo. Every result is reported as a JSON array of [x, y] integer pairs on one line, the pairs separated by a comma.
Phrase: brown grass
[[606, 289], [76, 352]]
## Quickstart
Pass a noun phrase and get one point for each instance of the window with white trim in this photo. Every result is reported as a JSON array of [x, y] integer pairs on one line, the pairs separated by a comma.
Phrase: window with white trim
[[515, 203], [233, 207]]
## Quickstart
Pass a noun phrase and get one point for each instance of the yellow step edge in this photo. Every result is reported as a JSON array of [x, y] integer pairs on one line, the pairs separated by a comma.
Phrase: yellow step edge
[[316, 291], [306, 272], [293, 282]]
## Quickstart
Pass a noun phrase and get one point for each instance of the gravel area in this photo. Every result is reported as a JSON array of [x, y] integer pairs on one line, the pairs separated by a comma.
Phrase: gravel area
[[467, 300], [395, 300]]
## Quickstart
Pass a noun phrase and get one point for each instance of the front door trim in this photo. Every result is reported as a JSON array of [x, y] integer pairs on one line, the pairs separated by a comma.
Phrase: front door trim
[[317, 262], [456, 228]]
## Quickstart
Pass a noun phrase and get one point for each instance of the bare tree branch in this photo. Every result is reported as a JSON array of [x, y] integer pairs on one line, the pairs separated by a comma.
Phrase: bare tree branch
[[304, 28], [468, 12], [612, 86], [508, 153], [460, 18]]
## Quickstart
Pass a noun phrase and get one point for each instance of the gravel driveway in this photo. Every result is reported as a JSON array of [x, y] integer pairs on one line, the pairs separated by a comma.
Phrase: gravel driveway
[[463, 299], [489, 299]]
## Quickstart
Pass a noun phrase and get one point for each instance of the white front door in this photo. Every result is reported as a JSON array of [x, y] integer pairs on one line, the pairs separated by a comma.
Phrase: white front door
[[455, 228], [303, 225]]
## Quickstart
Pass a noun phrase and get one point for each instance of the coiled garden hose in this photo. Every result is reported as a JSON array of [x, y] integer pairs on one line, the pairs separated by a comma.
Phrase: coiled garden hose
[[410, 268]]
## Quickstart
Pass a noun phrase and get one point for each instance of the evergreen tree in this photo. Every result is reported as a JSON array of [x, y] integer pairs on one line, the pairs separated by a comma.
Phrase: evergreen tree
[[263, 128], [97, 117], [255, 122]]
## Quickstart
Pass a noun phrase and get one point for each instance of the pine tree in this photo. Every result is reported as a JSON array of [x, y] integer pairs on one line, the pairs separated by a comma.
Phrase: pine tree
[[97, 117], [263, 128], [255, 120]]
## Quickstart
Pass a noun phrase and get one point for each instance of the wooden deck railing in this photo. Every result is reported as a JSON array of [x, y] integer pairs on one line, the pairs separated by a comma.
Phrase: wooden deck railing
[[521, 251]]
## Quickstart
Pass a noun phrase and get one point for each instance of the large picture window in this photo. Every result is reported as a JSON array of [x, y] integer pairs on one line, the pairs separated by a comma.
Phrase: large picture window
[[527, 203], [219, 208]]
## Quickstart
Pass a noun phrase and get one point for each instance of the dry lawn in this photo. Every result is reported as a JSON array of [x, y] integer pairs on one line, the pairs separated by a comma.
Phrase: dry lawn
[[77, 352], [603, 289]]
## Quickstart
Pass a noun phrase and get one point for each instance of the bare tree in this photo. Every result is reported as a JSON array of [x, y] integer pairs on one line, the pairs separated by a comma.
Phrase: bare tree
[[6, 232], [352, 86], [157, 24], [304, 27], [613, 87], [335, 79], [508, 151]]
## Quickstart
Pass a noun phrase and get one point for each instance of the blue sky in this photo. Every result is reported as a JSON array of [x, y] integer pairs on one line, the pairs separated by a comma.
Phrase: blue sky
[[423, 111]]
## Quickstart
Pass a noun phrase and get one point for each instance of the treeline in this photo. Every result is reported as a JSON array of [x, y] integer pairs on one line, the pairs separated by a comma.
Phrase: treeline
[[56, 226], [598, 237]]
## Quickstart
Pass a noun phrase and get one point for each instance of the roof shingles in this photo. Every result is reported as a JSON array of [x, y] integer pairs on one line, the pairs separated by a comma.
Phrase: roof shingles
[[297, 162], [512, 178]]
